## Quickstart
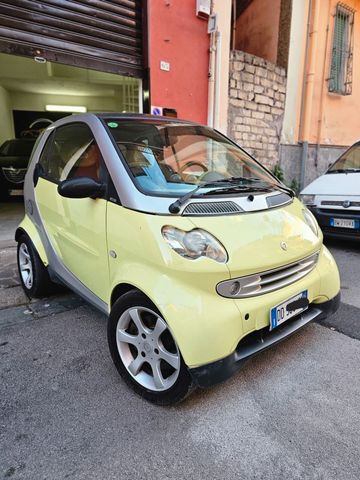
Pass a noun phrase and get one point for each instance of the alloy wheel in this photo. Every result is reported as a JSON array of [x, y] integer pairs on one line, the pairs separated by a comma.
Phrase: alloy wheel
[[147, 349], [26, 267]]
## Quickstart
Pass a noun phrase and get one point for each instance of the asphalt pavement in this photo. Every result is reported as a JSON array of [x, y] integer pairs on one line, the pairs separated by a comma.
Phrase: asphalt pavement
[[291, 413]]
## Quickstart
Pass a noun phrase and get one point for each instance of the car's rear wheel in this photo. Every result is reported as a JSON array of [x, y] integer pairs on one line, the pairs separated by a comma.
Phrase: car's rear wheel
[[145, 352], [33, 274]]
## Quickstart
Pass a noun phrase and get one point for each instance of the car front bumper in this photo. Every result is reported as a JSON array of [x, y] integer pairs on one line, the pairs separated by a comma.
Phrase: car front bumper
[[324, 216], [257, 341], [9, 187]]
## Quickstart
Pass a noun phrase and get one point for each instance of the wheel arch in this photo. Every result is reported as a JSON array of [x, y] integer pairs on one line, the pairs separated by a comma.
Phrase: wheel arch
[[27, 228], [120, 290]]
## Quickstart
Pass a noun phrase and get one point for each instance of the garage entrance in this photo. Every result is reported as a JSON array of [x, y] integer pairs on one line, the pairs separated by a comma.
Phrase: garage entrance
[[59, 57], [32, 90]]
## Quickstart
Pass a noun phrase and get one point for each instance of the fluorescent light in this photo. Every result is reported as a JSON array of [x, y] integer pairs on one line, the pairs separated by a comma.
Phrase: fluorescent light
[[65, 108]]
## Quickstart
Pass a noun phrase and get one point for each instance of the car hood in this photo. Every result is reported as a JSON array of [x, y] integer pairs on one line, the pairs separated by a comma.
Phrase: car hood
[[254, 241], [335, 184]]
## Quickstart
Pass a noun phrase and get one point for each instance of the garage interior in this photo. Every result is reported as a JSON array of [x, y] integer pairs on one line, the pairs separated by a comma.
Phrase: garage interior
[[28, 88]]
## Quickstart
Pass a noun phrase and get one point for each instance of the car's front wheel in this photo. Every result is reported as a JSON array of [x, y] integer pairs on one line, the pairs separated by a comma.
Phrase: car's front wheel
[[145, 352]]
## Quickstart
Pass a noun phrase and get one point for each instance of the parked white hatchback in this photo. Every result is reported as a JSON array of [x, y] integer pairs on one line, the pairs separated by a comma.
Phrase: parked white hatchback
[[334, 198]]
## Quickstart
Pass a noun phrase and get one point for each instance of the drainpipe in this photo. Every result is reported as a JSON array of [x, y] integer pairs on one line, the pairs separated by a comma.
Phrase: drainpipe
[[211, 75], [217, 84], [308, 84], [323, 82]]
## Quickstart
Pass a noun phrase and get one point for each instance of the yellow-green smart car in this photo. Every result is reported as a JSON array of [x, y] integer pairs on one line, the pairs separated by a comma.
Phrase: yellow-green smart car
[[198, 254]]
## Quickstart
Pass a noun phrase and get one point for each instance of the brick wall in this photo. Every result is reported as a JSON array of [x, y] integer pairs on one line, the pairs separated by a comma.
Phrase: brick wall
[[256, 105]]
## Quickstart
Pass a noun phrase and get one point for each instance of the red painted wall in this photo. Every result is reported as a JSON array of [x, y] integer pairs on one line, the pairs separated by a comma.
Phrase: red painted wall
[[179, 37]]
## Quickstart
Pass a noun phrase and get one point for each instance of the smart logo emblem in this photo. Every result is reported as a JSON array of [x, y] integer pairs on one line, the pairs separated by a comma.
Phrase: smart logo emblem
[[283, 245]]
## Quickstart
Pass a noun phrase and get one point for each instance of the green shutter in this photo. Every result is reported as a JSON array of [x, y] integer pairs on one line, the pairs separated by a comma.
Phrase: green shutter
[[341, 51]]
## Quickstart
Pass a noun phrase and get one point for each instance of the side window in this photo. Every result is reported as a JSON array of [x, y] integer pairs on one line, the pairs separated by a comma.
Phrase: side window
[[43, 160], [70, 152]]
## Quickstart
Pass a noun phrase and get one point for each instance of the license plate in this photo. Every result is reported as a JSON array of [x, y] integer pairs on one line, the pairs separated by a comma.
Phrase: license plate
[[344, 223], [15, 193], [288, 309]]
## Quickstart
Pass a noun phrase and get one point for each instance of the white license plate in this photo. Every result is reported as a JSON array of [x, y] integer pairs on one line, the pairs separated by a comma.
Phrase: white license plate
[[344, 223], [293, 306], [15, 193]]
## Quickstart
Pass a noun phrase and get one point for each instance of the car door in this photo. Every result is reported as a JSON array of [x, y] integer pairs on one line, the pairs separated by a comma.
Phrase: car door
[[76, 227]]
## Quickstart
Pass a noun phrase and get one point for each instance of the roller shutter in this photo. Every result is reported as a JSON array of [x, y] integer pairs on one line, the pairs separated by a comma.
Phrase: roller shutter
[[103, 35]]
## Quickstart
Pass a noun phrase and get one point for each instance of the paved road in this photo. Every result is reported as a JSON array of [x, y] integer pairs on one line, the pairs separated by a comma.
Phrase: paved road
[[292, 413]]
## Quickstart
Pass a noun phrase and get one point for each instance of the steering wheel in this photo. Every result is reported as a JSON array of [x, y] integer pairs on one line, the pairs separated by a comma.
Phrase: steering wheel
[[191, 163]]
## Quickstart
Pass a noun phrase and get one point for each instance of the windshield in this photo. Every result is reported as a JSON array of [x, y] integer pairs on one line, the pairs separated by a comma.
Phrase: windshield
[[348, 162], [17, 148], [174, 158]]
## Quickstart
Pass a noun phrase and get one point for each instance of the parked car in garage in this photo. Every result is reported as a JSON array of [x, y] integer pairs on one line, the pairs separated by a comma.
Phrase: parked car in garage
[[199, 256], [334, 198], [14, 159]]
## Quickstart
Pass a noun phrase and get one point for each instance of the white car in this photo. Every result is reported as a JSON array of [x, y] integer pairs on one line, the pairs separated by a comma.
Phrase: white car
[[334, 198]]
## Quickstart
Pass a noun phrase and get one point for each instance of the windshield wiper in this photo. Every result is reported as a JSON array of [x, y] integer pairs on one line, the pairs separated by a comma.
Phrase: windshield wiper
[[252, 180], [344, 170], [175, 207]]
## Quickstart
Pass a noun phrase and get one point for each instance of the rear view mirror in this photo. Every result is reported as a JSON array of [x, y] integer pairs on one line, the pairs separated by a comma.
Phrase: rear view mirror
[[81, 187]]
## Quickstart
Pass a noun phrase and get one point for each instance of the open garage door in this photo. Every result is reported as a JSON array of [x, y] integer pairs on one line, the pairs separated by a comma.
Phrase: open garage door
[[103, 35]]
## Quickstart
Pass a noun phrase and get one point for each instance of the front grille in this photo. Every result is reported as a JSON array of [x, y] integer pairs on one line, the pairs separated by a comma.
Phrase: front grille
[[339, 213], [349, 232], [212, 208], [14, 175], [338, 203], [268, 281]]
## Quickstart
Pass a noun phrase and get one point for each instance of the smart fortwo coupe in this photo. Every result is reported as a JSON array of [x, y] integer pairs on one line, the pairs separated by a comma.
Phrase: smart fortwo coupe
[[198, 254]]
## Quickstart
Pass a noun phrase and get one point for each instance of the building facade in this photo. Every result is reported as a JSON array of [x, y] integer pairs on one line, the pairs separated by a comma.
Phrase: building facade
[[278, 77], [323, 97]]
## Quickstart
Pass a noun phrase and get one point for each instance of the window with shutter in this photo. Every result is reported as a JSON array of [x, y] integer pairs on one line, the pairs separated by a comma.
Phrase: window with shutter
[[340, 80]]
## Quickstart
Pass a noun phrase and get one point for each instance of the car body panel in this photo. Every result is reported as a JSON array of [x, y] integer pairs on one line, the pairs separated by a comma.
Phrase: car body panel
[[94, 246], [334, 184], [336, 195], [77, 232], [27, 226], [253, 240]]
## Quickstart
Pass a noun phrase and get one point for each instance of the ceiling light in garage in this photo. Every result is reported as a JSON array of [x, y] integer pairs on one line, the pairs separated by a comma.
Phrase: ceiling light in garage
[[65, 108]]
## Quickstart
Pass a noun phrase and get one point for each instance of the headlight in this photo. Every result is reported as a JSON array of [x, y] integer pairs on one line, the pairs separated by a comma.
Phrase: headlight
[[308, 200], [194, 244], [311, 221]]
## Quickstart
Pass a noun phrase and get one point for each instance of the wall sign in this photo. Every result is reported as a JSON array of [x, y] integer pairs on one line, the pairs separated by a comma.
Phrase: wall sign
[[156, 110], [164, 66]]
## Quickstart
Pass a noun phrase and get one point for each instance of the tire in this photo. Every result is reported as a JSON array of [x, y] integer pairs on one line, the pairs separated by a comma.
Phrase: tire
[[141, 345], [33, 274]]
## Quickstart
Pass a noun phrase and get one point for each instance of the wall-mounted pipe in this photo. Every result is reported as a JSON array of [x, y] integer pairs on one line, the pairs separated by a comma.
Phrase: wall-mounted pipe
[[323, 84], [308, 83]]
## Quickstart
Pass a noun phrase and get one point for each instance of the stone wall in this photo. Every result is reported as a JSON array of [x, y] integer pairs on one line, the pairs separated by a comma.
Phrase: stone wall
[[256, 105]]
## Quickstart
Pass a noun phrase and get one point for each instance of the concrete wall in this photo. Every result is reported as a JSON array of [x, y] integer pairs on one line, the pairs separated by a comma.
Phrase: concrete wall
[[317, 162], [7, 126], [179, 37], [257, 29], [256, 105]]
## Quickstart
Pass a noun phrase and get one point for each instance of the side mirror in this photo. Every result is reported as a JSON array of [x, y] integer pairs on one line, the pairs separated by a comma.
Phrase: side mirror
[[81, 187]]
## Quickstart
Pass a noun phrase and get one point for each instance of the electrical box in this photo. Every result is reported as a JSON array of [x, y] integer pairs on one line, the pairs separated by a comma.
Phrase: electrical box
[[203, 8]]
